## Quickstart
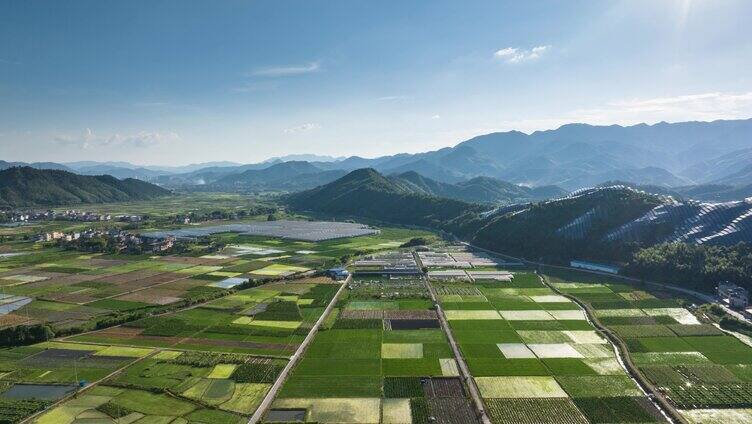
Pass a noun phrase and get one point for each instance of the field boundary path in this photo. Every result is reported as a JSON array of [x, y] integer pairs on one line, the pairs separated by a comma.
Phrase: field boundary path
[[272, 393], [464, 370], [622, 354]]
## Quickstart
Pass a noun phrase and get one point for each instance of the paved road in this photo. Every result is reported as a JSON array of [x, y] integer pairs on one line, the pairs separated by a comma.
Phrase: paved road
[[269, 398], [464, 370]]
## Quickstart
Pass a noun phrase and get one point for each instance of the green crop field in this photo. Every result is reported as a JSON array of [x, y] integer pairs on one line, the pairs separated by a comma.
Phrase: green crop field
[[693, 363]]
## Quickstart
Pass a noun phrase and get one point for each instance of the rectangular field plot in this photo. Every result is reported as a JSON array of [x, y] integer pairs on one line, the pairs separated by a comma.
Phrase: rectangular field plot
[[526, 315], [534, 411], [472, 315], [515, 350], [516, 387], [335, 410]]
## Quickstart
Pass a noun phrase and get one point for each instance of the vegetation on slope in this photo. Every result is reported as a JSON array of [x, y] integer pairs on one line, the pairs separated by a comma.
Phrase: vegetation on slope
[[367, 193], [695, 266], [533, 233], [26, 186]]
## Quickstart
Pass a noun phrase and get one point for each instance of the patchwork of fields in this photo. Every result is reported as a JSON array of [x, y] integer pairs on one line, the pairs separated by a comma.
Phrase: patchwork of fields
[[213, 362], [381, 358], [208, 352], [192, 347], [69, 290], [535, 358], [704, 372]]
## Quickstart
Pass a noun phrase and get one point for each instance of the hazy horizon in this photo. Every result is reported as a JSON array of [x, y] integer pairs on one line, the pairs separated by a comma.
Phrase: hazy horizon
[[158, 85], [293, 156]]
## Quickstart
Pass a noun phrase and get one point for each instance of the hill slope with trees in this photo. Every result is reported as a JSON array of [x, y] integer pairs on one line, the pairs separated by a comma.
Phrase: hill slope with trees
[[26, 186]]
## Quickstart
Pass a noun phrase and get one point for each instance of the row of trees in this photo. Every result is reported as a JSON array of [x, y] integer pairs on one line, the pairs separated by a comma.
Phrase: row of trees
[[694, 266]]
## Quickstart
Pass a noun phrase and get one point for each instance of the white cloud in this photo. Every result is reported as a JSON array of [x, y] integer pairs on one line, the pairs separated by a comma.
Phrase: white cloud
[[285, 71], [301, 128], [518, 55], [436, 117], [89, 139]]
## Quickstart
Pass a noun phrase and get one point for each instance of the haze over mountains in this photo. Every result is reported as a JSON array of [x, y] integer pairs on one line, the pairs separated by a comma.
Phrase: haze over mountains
[[704, 160]]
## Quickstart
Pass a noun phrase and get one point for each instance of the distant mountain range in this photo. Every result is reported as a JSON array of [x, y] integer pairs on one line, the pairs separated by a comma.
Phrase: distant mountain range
[[710, 160], [26, 186]]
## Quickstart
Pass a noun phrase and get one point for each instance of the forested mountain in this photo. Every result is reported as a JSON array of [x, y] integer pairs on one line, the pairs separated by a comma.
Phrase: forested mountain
[[366, 193], [26, 186], [608, 223]]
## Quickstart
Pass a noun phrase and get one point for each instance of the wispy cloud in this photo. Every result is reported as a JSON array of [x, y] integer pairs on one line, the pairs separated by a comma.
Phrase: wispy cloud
[[302, 128], [436, 117], [9, 62], [89, 139], [285, 71], [519, 55], [392, 98]]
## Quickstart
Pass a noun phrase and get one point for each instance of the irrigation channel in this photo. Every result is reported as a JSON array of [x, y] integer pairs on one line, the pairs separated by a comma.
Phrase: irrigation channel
[[464, 370], [269, 398]]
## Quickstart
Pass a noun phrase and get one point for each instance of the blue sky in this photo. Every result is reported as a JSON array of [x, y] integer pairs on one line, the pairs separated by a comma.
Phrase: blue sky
[[175, 82]]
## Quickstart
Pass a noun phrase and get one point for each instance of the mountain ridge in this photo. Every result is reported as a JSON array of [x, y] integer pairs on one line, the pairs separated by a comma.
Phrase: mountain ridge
[[26, 186]]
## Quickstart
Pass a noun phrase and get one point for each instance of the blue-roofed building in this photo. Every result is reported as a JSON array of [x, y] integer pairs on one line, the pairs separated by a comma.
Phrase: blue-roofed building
[[338, 273]]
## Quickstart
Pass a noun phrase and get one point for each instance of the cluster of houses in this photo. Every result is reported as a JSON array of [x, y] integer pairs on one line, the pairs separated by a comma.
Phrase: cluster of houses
[[119, 241], [68, 215]]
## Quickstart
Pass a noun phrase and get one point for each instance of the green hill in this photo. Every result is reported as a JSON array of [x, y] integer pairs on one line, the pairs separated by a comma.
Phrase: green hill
[[366, 193], [25, 186]]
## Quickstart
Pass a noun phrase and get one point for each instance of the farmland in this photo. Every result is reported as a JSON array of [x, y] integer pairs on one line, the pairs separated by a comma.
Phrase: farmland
[[533, 355], [700, 369], [177, 337], [382, 359], [201, 336]]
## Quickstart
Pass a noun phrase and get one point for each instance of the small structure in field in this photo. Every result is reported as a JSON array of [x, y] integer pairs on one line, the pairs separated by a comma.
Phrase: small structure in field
[[592, 266]]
